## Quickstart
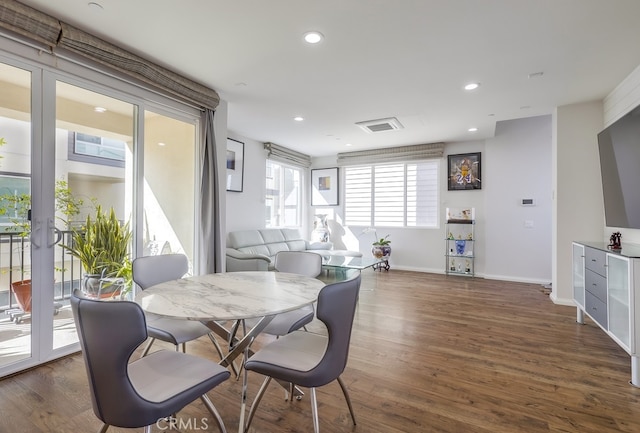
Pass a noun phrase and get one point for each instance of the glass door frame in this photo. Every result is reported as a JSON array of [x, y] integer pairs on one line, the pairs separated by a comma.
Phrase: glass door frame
[[46, 70]]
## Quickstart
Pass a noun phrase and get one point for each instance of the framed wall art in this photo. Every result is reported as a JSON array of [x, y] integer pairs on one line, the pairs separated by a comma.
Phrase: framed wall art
[[235, 165], [324, 187], [464, 171]]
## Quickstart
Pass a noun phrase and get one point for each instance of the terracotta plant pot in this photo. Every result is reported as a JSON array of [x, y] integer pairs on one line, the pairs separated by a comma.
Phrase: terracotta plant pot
[[22, 291]]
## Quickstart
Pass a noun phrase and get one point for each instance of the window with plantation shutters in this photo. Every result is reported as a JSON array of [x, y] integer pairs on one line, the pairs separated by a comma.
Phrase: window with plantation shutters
[[392, 195]]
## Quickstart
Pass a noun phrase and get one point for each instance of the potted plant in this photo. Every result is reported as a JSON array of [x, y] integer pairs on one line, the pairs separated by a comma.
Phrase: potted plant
[[381, 248], [18, 206], [102, 246]]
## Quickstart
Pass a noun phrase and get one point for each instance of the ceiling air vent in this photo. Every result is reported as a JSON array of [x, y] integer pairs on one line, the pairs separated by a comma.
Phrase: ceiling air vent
[[380, 125]]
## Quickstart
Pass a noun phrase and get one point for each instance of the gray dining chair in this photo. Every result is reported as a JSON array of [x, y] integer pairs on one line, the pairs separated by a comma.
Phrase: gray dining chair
[[308, 359], [140, 393], [151, 270], [294, 262]]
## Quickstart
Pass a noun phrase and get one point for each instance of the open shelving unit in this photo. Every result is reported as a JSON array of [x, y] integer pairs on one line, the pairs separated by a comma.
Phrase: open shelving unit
[[460, 242]]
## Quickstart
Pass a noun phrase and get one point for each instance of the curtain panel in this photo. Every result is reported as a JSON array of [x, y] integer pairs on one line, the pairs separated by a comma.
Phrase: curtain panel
[[286, 155], [212, 239], [37, 26], [390, 154]]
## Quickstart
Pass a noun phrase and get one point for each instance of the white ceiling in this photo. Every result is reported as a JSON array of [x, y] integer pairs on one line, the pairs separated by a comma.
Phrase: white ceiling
[[407, 59]]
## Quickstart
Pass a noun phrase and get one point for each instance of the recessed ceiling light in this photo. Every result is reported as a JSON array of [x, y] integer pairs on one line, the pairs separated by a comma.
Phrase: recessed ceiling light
[[472, 86], [161, 144], [298, 118], [313, 37], [347, 144], [99, 109], [473, 129]]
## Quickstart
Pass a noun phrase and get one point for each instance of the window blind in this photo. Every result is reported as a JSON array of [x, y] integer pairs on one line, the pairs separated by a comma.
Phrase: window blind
[[392, 195], [286, 155], [28, 22], [34, 25], [392, 154]]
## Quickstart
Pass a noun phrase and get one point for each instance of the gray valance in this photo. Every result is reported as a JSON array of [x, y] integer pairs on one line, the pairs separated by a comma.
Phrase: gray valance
[[28, 22], [286, 155], [35, 25], [390, 154]]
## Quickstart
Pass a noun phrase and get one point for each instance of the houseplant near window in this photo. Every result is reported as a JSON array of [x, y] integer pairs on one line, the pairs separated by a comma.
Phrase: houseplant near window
[[381, 248], [102, 246]]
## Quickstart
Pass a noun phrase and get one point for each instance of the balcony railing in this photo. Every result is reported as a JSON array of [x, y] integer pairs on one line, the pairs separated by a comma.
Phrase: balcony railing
[[15, 265]]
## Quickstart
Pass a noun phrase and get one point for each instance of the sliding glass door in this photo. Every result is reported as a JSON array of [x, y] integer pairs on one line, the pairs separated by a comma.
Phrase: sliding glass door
[[169, 185], [15, 201], [69, 145], [94, 146]]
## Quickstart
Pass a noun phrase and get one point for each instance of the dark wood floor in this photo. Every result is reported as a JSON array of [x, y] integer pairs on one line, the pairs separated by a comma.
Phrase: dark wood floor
[[429, 353]]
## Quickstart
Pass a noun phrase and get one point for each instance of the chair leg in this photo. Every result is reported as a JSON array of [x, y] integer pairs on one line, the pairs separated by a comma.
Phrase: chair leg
[[147, 347], [104, 428], [256, 401], [346, 397], [314, 411], [207, 402], [147, 429]]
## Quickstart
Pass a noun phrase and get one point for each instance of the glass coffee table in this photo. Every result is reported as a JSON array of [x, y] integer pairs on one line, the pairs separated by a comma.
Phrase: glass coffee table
[[342, 264]]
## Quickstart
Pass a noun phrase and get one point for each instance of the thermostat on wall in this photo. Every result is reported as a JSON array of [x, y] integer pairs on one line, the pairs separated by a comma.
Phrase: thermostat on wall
[[527, 202]]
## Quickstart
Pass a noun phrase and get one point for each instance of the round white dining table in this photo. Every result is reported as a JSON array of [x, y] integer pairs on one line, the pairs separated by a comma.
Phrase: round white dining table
[[233, 296], [230, 296]]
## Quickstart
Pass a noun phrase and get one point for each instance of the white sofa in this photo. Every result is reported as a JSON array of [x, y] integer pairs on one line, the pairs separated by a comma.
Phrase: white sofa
[[254, 250]]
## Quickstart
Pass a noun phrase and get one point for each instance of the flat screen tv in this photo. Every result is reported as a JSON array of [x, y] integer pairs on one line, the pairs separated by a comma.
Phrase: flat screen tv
[[619, 146]]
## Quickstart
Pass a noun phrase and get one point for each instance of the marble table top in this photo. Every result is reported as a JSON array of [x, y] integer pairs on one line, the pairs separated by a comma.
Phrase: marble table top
[[230, 296]]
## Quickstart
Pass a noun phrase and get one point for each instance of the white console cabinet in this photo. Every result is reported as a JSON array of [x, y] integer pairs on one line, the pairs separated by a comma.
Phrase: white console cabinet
[[606, 286]]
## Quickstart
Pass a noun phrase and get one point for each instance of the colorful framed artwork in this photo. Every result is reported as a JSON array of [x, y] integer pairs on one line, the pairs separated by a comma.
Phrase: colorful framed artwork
[[464, 171], [324, 187]]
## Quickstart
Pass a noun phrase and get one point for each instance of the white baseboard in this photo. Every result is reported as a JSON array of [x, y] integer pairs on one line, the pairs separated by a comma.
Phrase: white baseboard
[[561, 301], [516, 279]]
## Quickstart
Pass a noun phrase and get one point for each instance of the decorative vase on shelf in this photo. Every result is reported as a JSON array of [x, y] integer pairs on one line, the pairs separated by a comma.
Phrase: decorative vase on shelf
[[460, 246]]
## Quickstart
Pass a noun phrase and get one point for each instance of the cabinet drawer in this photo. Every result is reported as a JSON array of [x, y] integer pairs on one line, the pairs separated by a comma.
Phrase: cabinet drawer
[[595, 260], [596, 284], [595, 308]]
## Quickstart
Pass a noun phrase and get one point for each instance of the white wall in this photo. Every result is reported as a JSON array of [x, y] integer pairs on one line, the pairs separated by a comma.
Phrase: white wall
[[245, 210], [578, 203], [518, 166]]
